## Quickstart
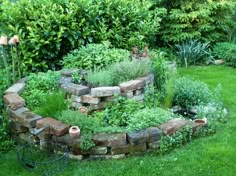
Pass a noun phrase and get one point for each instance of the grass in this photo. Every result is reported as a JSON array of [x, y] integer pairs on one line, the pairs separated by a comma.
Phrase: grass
[[209, 156]]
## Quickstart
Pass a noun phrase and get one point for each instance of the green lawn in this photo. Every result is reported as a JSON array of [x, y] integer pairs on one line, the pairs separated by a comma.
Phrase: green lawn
[[209, 156]]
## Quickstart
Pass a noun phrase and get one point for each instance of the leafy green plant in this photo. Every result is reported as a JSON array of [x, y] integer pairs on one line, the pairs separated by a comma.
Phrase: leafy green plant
[[118, 73], [3, 86], [53, 105], [94, 56], [86, 141], [193, 52], [100, 78], [227, 52], [39, 86], [6, 142], [128, 70], [147, 117], [188, 92], [118, 112], [151, 97]]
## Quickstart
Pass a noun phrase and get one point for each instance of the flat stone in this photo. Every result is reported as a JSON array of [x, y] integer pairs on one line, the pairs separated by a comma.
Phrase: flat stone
[[154, 145], [128, 149], [192, 125], [105, 91], [149, 79], [172, 126], [18, 128], [131, 85], [16, 88], [90, 99], [75, 98], [108, 99], [97, 150], [138, 92], [99, 106], [75, 157], [75, 89], [24, 116], [64, 80], [109, 140], [138, 137], [14, 101], [99, 157], [76, 105], [56, 127], [129, 94], [138, 97], [154, 134]]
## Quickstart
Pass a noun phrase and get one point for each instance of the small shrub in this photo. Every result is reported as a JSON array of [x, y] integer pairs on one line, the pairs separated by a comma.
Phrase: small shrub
[[85, 123], [227, 52], [188, 92], [6, 143], [193, 52], [100, 78], [94, 56], [119, 72], [118, 111], [39, 86], [148, 117], [128, 70], [3, 86], [53, 105], [151, 97]]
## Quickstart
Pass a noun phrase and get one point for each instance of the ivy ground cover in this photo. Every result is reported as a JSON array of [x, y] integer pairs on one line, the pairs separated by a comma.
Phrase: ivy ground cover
[[209, 156]]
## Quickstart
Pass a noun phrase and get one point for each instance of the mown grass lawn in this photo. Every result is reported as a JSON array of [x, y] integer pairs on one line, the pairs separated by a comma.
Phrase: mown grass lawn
[[208, 156]]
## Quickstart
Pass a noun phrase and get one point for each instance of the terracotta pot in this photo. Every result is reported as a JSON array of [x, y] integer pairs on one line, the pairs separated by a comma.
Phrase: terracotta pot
[[201, 122], [74, 131], [83, 109], [3, 40]]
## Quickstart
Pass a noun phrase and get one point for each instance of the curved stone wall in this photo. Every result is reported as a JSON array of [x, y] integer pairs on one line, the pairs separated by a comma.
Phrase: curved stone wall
[[107, 145]]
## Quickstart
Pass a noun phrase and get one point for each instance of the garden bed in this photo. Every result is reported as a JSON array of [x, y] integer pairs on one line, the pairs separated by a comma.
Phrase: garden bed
[[107, 145]]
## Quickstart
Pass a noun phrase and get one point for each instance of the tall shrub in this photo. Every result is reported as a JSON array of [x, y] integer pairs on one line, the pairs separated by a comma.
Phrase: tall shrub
[[50, 28]]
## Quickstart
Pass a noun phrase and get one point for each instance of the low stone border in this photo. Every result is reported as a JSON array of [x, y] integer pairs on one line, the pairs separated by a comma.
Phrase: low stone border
[[107, 145]]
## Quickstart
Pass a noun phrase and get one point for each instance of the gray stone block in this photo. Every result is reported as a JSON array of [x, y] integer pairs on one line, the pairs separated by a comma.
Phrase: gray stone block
[[110, 140], [105, 91], [75, 89], [16, 88]]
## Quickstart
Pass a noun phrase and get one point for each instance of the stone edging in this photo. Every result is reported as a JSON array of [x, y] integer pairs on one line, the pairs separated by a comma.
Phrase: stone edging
[[108, 145]]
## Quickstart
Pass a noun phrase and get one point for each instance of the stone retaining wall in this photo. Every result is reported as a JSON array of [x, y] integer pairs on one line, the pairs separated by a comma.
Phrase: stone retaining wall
[[96, 98], [107, 145]]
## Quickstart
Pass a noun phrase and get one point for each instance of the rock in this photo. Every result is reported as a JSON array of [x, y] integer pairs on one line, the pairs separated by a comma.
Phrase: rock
[[128, 149], [129, 94], [16, 88], [144, 135], [154, 145], [131, 85], [219, 62], [75, 89], [149, 79], [138, 92], [75, 98], [64, 80], [138, 97], [76, 105], [110, 140], [98, 157], [24, 116], [105, 91], [154, 134], [176, 109], [14, 101], [98, 106], [138, 137], [75, 157], [18, 128], [109, 99], [90, 99], [97, 150], [56, 127], [172, 126]]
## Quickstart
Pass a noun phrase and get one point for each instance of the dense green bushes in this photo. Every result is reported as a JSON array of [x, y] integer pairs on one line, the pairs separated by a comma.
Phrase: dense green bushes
[[205, 20], [50, 29], [94, 56], [227, 52]]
